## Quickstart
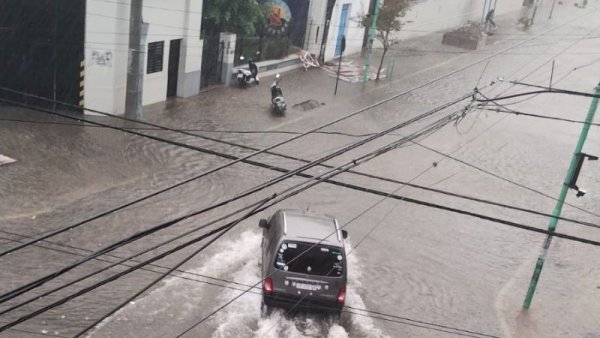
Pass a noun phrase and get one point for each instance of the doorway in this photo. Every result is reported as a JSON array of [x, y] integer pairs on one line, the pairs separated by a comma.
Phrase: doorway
[[173, 72], [342, 28]]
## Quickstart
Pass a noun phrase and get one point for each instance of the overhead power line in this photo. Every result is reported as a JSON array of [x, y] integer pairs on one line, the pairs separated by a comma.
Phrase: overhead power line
[[220, 308], [520, 113], [207, 151], [290, 193], [154, 229], [547, 91], [66, 228], [342, 169], [257, 291], [329, 166], [492, 219]]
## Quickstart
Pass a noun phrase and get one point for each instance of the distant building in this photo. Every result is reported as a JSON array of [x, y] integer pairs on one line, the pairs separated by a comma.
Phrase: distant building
[[76, 51], [329, 20]]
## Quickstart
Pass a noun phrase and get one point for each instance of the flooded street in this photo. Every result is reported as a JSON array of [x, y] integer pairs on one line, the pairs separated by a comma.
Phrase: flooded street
[[413, 270]]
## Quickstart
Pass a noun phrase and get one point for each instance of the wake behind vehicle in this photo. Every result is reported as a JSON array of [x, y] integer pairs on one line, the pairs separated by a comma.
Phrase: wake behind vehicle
[[277, 100], [303, 262]]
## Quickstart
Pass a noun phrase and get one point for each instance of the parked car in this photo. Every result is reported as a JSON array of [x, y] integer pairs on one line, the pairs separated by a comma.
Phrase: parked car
[[303, 262]]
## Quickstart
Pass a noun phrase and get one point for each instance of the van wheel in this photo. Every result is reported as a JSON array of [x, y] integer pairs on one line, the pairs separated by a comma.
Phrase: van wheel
[[334, 318]]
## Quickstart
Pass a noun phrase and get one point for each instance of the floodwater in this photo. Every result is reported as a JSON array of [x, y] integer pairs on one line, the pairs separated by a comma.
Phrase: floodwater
[[413, 271]]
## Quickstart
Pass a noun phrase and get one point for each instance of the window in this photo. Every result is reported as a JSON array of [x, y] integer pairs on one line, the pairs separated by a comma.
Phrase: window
[[311, 259], [155, 56]]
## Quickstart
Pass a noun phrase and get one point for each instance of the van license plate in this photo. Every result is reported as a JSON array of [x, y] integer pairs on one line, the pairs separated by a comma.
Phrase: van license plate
[[310, 287]]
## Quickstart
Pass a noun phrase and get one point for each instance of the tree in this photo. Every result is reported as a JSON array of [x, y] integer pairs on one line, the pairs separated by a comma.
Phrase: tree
[[388, 22], [242, 17]]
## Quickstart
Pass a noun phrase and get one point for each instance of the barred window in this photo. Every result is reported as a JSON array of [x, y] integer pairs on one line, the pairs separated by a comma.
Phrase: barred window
[[155, 56]]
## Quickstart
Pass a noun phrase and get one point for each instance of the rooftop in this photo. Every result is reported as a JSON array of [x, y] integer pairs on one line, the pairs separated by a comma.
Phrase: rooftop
[[302, 224]]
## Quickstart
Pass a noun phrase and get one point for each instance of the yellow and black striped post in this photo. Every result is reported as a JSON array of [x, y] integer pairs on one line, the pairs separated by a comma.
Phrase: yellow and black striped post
[[81, 83]]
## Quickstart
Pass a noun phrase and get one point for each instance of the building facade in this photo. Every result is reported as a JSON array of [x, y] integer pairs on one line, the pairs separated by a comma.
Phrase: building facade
[[41, 50], [74, 54], [329, 20], [173, 51], [424, 17]]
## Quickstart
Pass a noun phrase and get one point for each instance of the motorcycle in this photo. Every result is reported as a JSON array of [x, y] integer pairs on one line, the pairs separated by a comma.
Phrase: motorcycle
[[248, 76], [277, 100]]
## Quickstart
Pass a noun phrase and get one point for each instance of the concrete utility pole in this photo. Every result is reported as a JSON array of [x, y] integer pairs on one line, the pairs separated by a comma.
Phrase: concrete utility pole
[[552, 9], [135, 64], [485, 10], [571, 174], [365, 45], [372, 31]]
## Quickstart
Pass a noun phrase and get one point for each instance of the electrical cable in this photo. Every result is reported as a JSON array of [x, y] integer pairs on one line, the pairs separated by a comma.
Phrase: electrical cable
[[404, 183], [176, 266], [377, 203], [355, 246], [210, 152], [123, 262], [410, 200], [141, 234], [195, 130], [254, 292], [51, 246], [568, 73], [397, 181], [388, 195], [451, 330], [66, 228], [299, 188], [307, 250], [548, 91], [341, 169], [520, 113]]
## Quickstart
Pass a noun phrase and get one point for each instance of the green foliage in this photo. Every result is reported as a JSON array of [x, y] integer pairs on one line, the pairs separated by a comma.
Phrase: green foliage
[[242, 17], [388, 20]]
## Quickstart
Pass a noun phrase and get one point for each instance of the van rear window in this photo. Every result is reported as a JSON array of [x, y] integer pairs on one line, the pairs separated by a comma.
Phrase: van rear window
[[308, 258]]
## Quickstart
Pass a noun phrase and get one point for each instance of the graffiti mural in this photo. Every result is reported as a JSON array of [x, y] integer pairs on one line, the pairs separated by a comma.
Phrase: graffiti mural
[[278, 17], [101, 58], [286, 18]]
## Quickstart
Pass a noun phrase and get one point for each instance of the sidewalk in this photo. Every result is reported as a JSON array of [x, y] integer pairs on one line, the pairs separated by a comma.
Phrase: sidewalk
[[232, 108], [77, 153]]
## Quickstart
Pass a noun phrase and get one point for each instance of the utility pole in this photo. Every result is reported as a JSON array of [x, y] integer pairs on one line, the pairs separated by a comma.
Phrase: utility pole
[[552, 9], [365, 44], [337, 80], [483, 11], [372, 31], [569, 182], [135, 68]]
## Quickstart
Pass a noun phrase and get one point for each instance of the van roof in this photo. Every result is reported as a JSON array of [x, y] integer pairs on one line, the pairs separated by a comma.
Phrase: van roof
[[305, 226]]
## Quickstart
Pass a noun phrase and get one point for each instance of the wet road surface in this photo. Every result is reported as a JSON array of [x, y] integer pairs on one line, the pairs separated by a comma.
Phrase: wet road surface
[[406, 260]]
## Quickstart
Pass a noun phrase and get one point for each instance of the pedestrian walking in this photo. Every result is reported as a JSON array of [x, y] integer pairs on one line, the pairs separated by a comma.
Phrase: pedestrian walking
[[489, 22]]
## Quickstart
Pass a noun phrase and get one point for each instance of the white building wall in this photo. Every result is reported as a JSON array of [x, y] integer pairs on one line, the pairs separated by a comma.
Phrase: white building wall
[[316, 21], [438, 15], [354, 31], [106, 41], [425, 17], [107, 37], [316, 25]]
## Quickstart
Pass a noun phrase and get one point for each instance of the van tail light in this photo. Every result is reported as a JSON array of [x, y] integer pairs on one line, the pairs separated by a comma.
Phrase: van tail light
[[341, 297], [268, 285]]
